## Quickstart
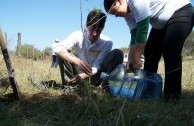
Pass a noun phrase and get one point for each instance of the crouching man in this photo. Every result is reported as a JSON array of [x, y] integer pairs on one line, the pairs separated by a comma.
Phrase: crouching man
[[87, 53]]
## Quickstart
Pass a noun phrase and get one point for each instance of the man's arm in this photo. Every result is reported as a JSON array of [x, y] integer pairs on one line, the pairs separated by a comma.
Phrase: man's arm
[[65, 55]]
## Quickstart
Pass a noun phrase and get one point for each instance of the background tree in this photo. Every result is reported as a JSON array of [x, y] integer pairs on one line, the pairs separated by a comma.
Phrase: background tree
[[47, 51], [28, 51], [125, 49], [188, 48]]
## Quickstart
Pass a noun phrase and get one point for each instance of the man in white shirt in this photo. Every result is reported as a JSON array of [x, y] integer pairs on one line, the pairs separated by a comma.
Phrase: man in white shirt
[[87, 53]]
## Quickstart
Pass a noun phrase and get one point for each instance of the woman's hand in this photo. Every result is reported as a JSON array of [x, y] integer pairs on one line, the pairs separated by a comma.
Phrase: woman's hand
[[134, 56], [129, 64]]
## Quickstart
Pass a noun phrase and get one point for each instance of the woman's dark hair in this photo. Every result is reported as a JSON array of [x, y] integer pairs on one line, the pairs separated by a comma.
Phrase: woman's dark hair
[[96, 18], [108, 4]]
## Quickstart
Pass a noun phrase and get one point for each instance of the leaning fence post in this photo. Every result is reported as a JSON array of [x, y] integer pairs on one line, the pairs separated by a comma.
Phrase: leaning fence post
[[9, 67]]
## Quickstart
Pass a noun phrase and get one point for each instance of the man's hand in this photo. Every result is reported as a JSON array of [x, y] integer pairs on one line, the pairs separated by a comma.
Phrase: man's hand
[[85, 67], [77, 79]]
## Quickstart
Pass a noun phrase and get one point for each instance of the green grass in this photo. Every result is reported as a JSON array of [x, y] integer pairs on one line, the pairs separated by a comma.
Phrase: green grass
[[54, 108]]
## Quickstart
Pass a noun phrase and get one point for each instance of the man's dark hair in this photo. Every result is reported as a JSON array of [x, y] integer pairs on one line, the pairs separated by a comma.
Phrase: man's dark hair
[[96, 18], [108, 4]]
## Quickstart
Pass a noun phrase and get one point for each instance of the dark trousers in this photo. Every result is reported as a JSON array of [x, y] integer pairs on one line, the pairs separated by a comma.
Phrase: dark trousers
[[54, 61], [168, 43], [111, 60]]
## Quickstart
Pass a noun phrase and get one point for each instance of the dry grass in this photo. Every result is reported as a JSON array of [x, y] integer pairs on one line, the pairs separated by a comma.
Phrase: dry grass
[[53, 107]]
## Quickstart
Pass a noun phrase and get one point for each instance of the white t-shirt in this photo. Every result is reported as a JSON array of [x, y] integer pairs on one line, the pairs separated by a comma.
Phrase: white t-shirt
[[82, 48], [159, 11], [53, 47]]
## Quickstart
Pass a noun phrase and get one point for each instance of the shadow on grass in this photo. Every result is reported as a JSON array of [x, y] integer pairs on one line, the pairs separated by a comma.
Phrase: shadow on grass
[[44, 108]]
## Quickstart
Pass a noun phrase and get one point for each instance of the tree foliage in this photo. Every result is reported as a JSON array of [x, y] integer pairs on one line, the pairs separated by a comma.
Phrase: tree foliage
[[47, 51], [124, 49], [28, 51], [188, 49]]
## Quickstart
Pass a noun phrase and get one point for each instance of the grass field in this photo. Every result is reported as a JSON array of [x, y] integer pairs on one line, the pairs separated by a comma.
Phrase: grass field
[[89, 107]]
